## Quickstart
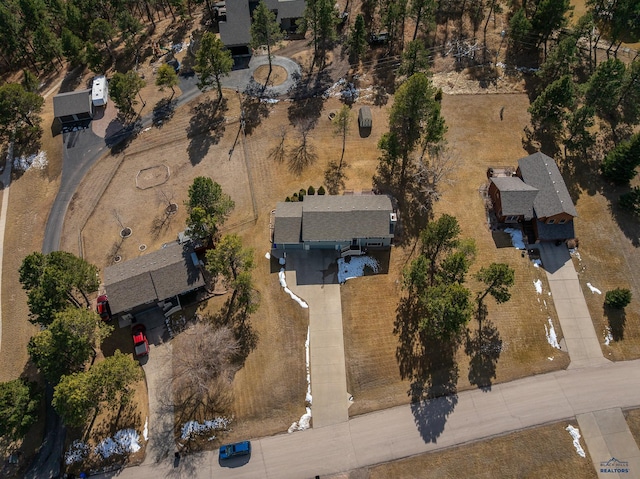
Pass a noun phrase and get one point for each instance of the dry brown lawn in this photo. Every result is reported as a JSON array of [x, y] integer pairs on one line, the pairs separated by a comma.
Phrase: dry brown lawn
[[608, 259], [479, 139], [633, 421], [278, 75], [545, 451], [30, 197]]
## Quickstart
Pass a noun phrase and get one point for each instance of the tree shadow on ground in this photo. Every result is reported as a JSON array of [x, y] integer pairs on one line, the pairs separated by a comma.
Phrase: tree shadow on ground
[[385, 72], [118, 142], [414, 202], [626, 220], [309, 98], [483, 346], [429, 364], [163, 111], [239, 321], [206, 128], [254, 110], [617, 319]]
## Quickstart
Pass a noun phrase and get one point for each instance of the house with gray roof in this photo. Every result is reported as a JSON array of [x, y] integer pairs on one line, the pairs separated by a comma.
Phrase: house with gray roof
[[346, 222], [536, 196], [73, 107], [235, 30], [164, 275]]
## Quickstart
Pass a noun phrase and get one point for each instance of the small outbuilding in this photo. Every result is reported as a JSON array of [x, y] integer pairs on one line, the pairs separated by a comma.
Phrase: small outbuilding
[[364, 117], [99, 91], [73, 107]]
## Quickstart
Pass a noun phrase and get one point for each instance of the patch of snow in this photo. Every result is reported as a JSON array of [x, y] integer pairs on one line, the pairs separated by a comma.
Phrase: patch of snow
[[575, 434], [107, 448], [308, 397], [520, 69], [516, 237], [550, 358], [145, 431], [76, 453], [194, 428], [283, 283], [550, 332], [269, 100], [355, 267], [37, 161], [302, 424], [574, 252], [124, 441], [267, 255], [538, 285], [128, 440], [607, 336], [146, 129], [593, 289], [537, 263]]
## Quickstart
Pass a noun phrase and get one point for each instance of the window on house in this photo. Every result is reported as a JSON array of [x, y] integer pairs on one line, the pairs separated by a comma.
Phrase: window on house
[[511, 219], [551, 221], [561, 222]]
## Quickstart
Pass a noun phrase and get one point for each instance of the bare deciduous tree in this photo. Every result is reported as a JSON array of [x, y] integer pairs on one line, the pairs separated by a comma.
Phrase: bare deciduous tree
[[203, 371]]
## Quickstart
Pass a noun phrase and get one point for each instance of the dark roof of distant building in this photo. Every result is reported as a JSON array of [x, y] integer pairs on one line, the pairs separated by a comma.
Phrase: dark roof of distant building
[[72, 103]]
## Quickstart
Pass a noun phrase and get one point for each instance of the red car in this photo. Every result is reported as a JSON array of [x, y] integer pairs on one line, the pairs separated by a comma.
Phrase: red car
[[140, 343], [103, 308]]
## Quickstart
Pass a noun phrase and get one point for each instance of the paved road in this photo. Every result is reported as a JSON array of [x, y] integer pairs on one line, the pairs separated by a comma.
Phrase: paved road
[[407, 430]]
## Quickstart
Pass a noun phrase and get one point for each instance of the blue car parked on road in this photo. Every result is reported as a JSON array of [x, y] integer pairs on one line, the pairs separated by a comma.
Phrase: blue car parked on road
[[237, 449]]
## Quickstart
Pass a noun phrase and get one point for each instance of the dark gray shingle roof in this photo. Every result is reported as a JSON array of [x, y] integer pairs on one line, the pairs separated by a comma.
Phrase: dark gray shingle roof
[[152, 277], [541, 172], [333, 218], [237, 29], [516, 196], [288, 223], [72, 103], [342, 218]]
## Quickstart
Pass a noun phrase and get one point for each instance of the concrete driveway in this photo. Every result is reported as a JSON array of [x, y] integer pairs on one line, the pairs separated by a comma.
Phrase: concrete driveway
[[313, 276], [577, 327]]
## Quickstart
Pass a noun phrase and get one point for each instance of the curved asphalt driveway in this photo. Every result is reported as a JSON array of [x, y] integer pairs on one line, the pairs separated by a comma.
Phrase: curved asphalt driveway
[[81, 149]]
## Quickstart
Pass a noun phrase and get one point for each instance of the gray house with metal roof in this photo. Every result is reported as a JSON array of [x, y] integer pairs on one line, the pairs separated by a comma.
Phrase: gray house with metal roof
[[335, 222], [235, 31], [140, 283], [73, 106], [536, 196]]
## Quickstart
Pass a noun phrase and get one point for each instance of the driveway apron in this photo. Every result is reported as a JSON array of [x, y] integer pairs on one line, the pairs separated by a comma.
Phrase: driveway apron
[[612, 448], [579, 334]]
